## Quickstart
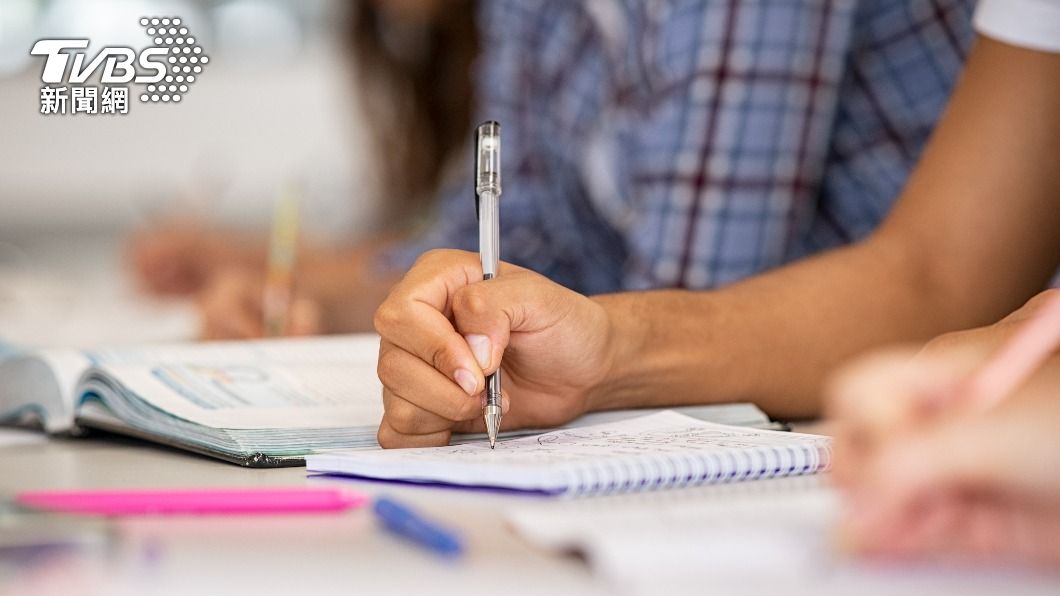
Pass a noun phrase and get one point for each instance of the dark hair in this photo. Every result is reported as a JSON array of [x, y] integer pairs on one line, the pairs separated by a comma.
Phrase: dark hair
[[420, 76]]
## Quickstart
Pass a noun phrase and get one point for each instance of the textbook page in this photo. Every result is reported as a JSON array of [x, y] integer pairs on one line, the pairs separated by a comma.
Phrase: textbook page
[[296, 383], [40, 386], [616, 451]]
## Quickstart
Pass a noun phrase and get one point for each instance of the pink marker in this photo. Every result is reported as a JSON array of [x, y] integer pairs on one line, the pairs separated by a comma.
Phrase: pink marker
[[193, 502]]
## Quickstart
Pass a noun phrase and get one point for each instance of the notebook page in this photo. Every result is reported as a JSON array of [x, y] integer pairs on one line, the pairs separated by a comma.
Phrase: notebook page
[[768, 537], [316, 383], [656, 451]]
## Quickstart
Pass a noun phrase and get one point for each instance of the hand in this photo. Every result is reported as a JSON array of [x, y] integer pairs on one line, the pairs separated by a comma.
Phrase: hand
[[443, 329], [990, 337], [231, 308], [947, 483], [180, 257]]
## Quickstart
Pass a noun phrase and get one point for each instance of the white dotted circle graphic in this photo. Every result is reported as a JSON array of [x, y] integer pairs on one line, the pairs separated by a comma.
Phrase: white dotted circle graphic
[[181, 53]]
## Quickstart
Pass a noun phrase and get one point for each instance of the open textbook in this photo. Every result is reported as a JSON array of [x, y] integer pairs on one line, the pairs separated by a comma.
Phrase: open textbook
[[661, 450], [257, 403]]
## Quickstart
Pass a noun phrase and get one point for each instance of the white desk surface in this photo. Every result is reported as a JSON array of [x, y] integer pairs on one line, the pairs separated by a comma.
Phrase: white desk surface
[[321, 554]]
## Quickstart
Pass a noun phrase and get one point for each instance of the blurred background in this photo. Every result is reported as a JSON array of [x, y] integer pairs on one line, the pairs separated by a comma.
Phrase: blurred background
[[278, 102]]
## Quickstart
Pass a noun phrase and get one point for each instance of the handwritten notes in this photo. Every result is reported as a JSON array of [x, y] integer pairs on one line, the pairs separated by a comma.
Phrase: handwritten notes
[[657, 451]]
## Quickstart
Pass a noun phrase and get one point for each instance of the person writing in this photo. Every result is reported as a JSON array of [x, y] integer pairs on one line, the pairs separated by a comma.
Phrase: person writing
[[972, 237], [931, 474], [657, 145]]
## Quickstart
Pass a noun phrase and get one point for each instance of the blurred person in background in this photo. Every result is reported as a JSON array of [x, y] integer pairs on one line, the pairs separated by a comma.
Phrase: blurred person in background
[[685, 145], [413, 60]]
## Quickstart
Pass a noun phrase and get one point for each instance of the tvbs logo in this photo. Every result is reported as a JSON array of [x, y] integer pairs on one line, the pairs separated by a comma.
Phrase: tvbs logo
[[118, 63], [166, 70]]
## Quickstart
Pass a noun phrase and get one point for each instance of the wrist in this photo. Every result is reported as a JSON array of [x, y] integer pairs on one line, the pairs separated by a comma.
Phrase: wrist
[[625, 336]]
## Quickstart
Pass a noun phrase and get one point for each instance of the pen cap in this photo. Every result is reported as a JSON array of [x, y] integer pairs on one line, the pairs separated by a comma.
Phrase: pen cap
[[488, 158]]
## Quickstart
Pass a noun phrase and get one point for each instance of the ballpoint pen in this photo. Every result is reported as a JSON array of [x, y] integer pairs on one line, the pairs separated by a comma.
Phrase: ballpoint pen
[[407, 523], [487, 203]]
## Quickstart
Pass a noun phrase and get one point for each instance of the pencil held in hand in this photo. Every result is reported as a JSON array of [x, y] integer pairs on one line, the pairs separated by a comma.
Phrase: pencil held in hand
[[279, 279]]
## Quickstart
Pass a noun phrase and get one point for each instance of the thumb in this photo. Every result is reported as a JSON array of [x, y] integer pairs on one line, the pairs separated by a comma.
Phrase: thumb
[[480, 314]]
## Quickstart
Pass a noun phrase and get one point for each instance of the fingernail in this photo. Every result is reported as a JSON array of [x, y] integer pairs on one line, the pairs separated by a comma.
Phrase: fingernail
[[506, 404], [481, 347], [466, 380]]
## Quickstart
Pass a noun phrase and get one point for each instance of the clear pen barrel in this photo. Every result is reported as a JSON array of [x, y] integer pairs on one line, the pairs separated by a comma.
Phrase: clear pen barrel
[[489, 247], [488, 188]]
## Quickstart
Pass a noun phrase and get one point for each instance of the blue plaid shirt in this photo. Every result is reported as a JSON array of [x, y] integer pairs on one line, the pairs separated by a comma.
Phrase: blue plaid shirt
[[694, 143]]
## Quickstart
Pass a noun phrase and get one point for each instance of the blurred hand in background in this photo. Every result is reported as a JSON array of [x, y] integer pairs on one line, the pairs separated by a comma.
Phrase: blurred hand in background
[[928, 478], [181, 256]]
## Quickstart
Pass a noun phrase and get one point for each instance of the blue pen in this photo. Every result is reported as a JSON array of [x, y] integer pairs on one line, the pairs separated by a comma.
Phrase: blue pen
[[407, 524]]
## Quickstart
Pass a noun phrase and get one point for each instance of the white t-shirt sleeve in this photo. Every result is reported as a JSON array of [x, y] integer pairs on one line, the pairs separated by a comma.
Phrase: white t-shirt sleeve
[[1032, 24]]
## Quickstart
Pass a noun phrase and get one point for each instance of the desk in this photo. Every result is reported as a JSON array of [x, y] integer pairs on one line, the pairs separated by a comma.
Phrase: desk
[[310, 554], [347, 553]]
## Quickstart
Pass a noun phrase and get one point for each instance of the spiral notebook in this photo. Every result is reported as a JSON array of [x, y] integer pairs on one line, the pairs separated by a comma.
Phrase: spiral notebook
[[662, 450]]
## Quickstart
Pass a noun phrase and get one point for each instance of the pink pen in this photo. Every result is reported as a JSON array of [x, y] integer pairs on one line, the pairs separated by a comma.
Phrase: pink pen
[[193, 502]]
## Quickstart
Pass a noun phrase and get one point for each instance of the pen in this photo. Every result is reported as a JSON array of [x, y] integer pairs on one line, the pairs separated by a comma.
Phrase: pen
[[406, 523], [1016, 360], [192, 502], [283, 246], [487, 203]]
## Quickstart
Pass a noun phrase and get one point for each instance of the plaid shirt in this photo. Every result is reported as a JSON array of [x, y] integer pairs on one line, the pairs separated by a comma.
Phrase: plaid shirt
[[653, 143]]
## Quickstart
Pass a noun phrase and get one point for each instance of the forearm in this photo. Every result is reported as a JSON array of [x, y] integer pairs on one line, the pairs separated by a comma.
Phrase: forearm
[[771, 339]]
